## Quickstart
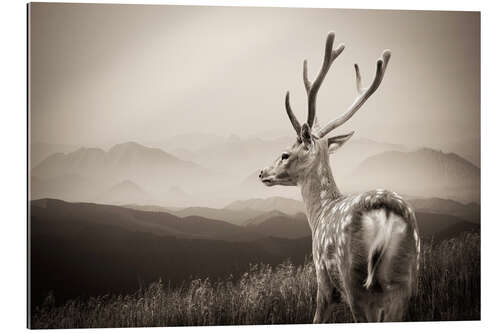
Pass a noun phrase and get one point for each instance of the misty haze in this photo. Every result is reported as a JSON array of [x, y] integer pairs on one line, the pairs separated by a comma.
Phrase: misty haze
[[149, 126]]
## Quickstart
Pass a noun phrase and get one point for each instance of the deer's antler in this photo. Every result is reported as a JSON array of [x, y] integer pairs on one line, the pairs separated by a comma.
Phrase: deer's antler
[[363, 94], [289, 112], [312, 89]]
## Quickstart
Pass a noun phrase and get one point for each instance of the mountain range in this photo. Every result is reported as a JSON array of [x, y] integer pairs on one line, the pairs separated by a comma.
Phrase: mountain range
[[223, 170], [86, 249], [125, 191], [93, 174], [41, 150], [287, 206], [234, 216], [83, 250], [240, 221], [157, 223], [469, 212]]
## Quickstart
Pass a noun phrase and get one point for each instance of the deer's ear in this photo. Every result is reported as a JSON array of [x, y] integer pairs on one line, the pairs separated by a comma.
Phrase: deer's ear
[[336, 142], [305, 134]]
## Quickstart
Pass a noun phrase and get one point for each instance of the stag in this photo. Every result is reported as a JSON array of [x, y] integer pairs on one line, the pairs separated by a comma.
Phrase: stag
[[365, 247]]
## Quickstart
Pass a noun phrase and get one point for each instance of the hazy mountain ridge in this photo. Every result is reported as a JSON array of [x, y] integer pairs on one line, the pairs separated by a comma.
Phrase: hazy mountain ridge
[[233, 216], [255, 211], [469, 149], [157, 223], [470, 212], [272, 222], [278, 224], [70, 187], [86, 161], [238, 217], [166, 180], [269, 223], [41, 150], [263, 216], [287, 206], [125, 191], [425, 172], [160, 175]]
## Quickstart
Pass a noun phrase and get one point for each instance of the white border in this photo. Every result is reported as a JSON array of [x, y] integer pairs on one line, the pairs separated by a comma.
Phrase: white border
[[13, 163]]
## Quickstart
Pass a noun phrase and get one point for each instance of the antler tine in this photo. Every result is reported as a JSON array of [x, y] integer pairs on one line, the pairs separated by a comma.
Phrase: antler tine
[[364, 94], [312, 90], [359, 87], [307, 83], [289, 112]]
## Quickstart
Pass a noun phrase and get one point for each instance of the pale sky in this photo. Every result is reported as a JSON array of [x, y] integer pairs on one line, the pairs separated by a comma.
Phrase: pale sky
[[105, 74]]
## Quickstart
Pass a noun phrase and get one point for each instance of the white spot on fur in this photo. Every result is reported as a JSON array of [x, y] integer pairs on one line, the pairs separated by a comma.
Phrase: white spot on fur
[[324, 181], [323, 195]]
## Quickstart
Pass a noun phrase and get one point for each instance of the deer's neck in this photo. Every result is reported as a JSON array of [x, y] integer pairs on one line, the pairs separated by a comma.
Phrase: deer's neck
[[318, 190]]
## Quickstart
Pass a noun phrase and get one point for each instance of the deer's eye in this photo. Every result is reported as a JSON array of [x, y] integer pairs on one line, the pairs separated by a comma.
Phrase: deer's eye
[[285, 156]]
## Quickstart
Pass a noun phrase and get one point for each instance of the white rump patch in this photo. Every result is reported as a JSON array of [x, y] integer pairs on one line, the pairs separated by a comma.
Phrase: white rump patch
[[384, 234]]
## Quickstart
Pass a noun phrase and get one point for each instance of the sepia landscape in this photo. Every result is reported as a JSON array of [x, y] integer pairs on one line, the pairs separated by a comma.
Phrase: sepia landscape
[[145, 203]]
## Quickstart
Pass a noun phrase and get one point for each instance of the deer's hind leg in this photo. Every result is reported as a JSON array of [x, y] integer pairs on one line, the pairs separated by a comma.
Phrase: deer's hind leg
[[321, 307], [325, 305], [323, 299], [327, 297], [396, 305]]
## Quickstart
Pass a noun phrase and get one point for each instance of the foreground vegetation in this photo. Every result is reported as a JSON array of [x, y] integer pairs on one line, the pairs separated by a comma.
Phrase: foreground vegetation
[[448, 289]]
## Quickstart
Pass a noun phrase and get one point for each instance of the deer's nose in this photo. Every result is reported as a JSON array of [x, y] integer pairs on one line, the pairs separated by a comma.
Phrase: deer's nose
[[260, 174]]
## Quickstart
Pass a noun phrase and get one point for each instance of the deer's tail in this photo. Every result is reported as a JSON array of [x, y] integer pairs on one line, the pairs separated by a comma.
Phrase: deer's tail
[[383, 233]]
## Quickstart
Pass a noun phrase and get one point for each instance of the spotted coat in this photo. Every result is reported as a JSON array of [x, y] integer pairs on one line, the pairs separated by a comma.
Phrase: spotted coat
[[337, 250]]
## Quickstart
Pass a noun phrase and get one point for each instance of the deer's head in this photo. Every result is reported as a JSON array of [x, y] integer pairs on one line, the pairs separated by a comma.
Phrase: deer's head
[[312, 146]]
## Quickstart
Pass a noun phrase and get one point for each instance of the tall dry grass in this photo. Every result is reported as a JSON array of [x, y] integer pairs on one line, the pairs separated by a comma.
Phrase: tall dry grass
[[448, 289]]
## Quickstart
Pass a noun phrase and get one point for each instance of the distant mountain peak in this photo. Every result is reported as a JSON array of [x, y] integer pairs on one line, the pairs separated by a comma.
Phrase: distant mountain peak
[[124, 192], [127, 184], [133, 146], [86, 151], [177, 189], [128, 144], [424, 172]]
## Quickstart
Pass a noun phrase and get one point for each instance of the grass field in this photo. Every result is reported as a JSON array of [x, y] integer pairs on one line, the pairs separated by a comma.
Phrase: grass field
[[448, 289]]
